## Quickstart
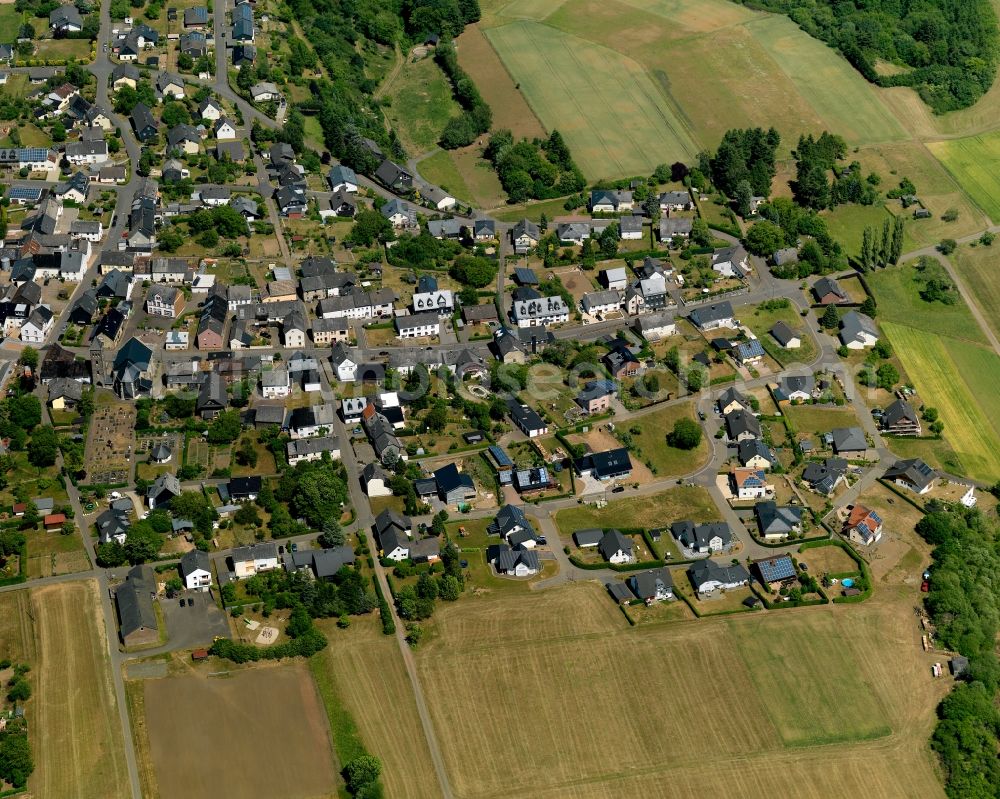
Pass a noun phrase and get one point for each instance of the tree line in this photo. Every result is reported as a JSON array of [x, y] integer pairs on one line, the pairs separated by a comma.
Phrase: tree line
[[476, 116]]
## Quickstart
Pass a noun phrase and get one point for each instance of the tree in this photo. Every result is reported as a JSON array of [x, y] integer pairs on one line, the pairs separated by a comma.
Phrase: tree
[[248, 516], [370, 227], [16, 764], [225, 428], [332, 535], [142, 543], [887, 376], [867, 252], [29, 358], [886, 253], [25, 411], [868, 307], [685, 435], [437, 418], [246, 454], [947, 246], [743, 198], [764, 238], [896, 249], [830, 318], [43, 447], [609, 239], [950, 215], [362, 771], [472, 270]]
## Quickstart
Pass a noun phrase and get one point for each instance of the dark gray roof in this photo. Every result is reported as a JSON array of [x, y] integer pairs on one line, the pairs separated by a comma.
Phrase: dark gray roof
[[914, 471], [134, 598], [613, 541], [742, 421], [646, 584], [775, 519], [848, 439], [193, 561]]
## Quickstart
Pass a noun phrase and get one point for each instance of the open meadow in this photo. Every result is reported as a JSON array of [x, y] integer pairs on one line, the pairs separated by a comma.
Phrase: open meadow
[[272, 711], [656, 510], [973, 162], [962, 381], [75, 735], [420, 104], [589, 707], [979, 268]]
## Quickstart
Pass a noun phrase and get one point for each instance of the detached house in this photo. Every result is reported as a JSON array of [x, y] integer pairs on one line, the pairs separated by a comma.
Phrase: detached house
[[702, 538], [610, 201], [863, 526], [707, 577], [196, 570], [526, 419], [714, 316], [777, 522], [899, 419], [750, 484], [394, 177], [616, 548], [731, 262], [913, 474], [525, 235], [655, 585], [167, 301], [541, 312], [828, 292], [742, 425], [858, 331]]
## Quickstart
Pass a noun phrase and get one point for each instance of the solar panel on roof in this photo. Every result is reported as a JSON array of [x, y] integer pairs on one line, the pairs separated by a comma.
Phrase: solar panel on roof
[[501, 457], [24, 193]]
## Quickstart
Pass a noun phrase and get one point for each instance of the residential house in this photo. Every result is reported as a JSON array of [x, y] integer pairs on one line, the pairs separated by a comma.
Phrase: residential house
[[512, 525], [630, 227], [755, 454], [731, 261], [525, 236], [675, 201], [244, 53], [827, 291], [400, 214], [714, 316], [484, 230], [164, 488], [312, 420], [275, 384], [294, 328], [824, 477], [342, 178], [323, 564], [702, 538], [795, 388], [394, 177], [113, 524], [453, 486], [655, 585], [913, 474], [196, 570], [849, 442], [513, 562], [858, 331], [124, 75], [597, 395], [775, 572], [64, 19], [418, 325], [785, 336], [86, 153], [655, 326], [165, 301], [749, 352], [598, 303], [441, 302], [376, 481], [532, 479], [742, 425], [777, 522], [541, 312], [899, 419], [610, 201], [330, 331], [144, 123], [863, 526], [614, 279], [345, 366], [707, 576], [212, 398], [750, 484], [194, 44], [311, 449], [169, 85], [244, 489], [37, 326], [256, 558], [616, 548], [675, 228], [620, 362]]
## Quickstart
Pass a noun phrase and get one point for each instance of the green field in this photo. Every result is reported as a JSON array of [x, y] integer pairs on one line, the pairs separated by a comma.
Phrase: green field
[[467, 176], [847, 224], [962, 381], [978, 267], [420, 105], [844, 100], [613, 117], [650, 445], [658, 510], [975, 164], [897, 294]]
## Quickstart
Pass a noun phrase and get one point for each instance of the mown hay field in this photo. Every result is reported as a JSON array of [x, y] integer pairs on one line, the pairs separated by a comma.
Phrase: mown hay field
[[75, 734], [255, 732], [365, 673], [979, 270], [607, 107], [962, 381], [589, 707]]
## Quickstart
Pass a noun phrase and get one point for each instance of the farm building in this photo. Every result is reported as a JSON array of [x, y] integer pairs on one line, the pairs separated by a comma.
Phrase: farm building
[[136, 615]]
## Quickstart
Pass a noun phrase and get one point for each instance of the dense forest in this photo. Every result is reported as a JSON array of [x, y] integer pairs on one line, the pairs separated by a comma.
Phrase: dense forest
[[947, 47], [964, 603], [341, 31]]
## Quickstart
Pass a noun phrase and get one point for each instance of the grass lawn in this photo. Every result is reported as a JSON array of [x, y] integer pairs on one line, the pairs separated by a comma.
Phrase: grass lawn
[[977, 268], [812, 421], [847, 224], [51, 553], [16, 85], [975, 164], [10, 19], [761, 320], [421, 104], [533, 210], [962, 381], [897, 293], [64, 48], [936, 452], [605, 104], [657, 510], [466, 175], [650, 446]]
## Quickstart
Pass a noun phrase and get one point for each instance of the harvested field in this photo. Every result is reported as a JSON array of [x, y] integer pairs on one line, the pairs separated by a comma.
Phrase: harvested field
[[75, 735], [606, 106], [364, 671], [510, 110], [272, 709], [567, 648], [977, 267], [962, 381]]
